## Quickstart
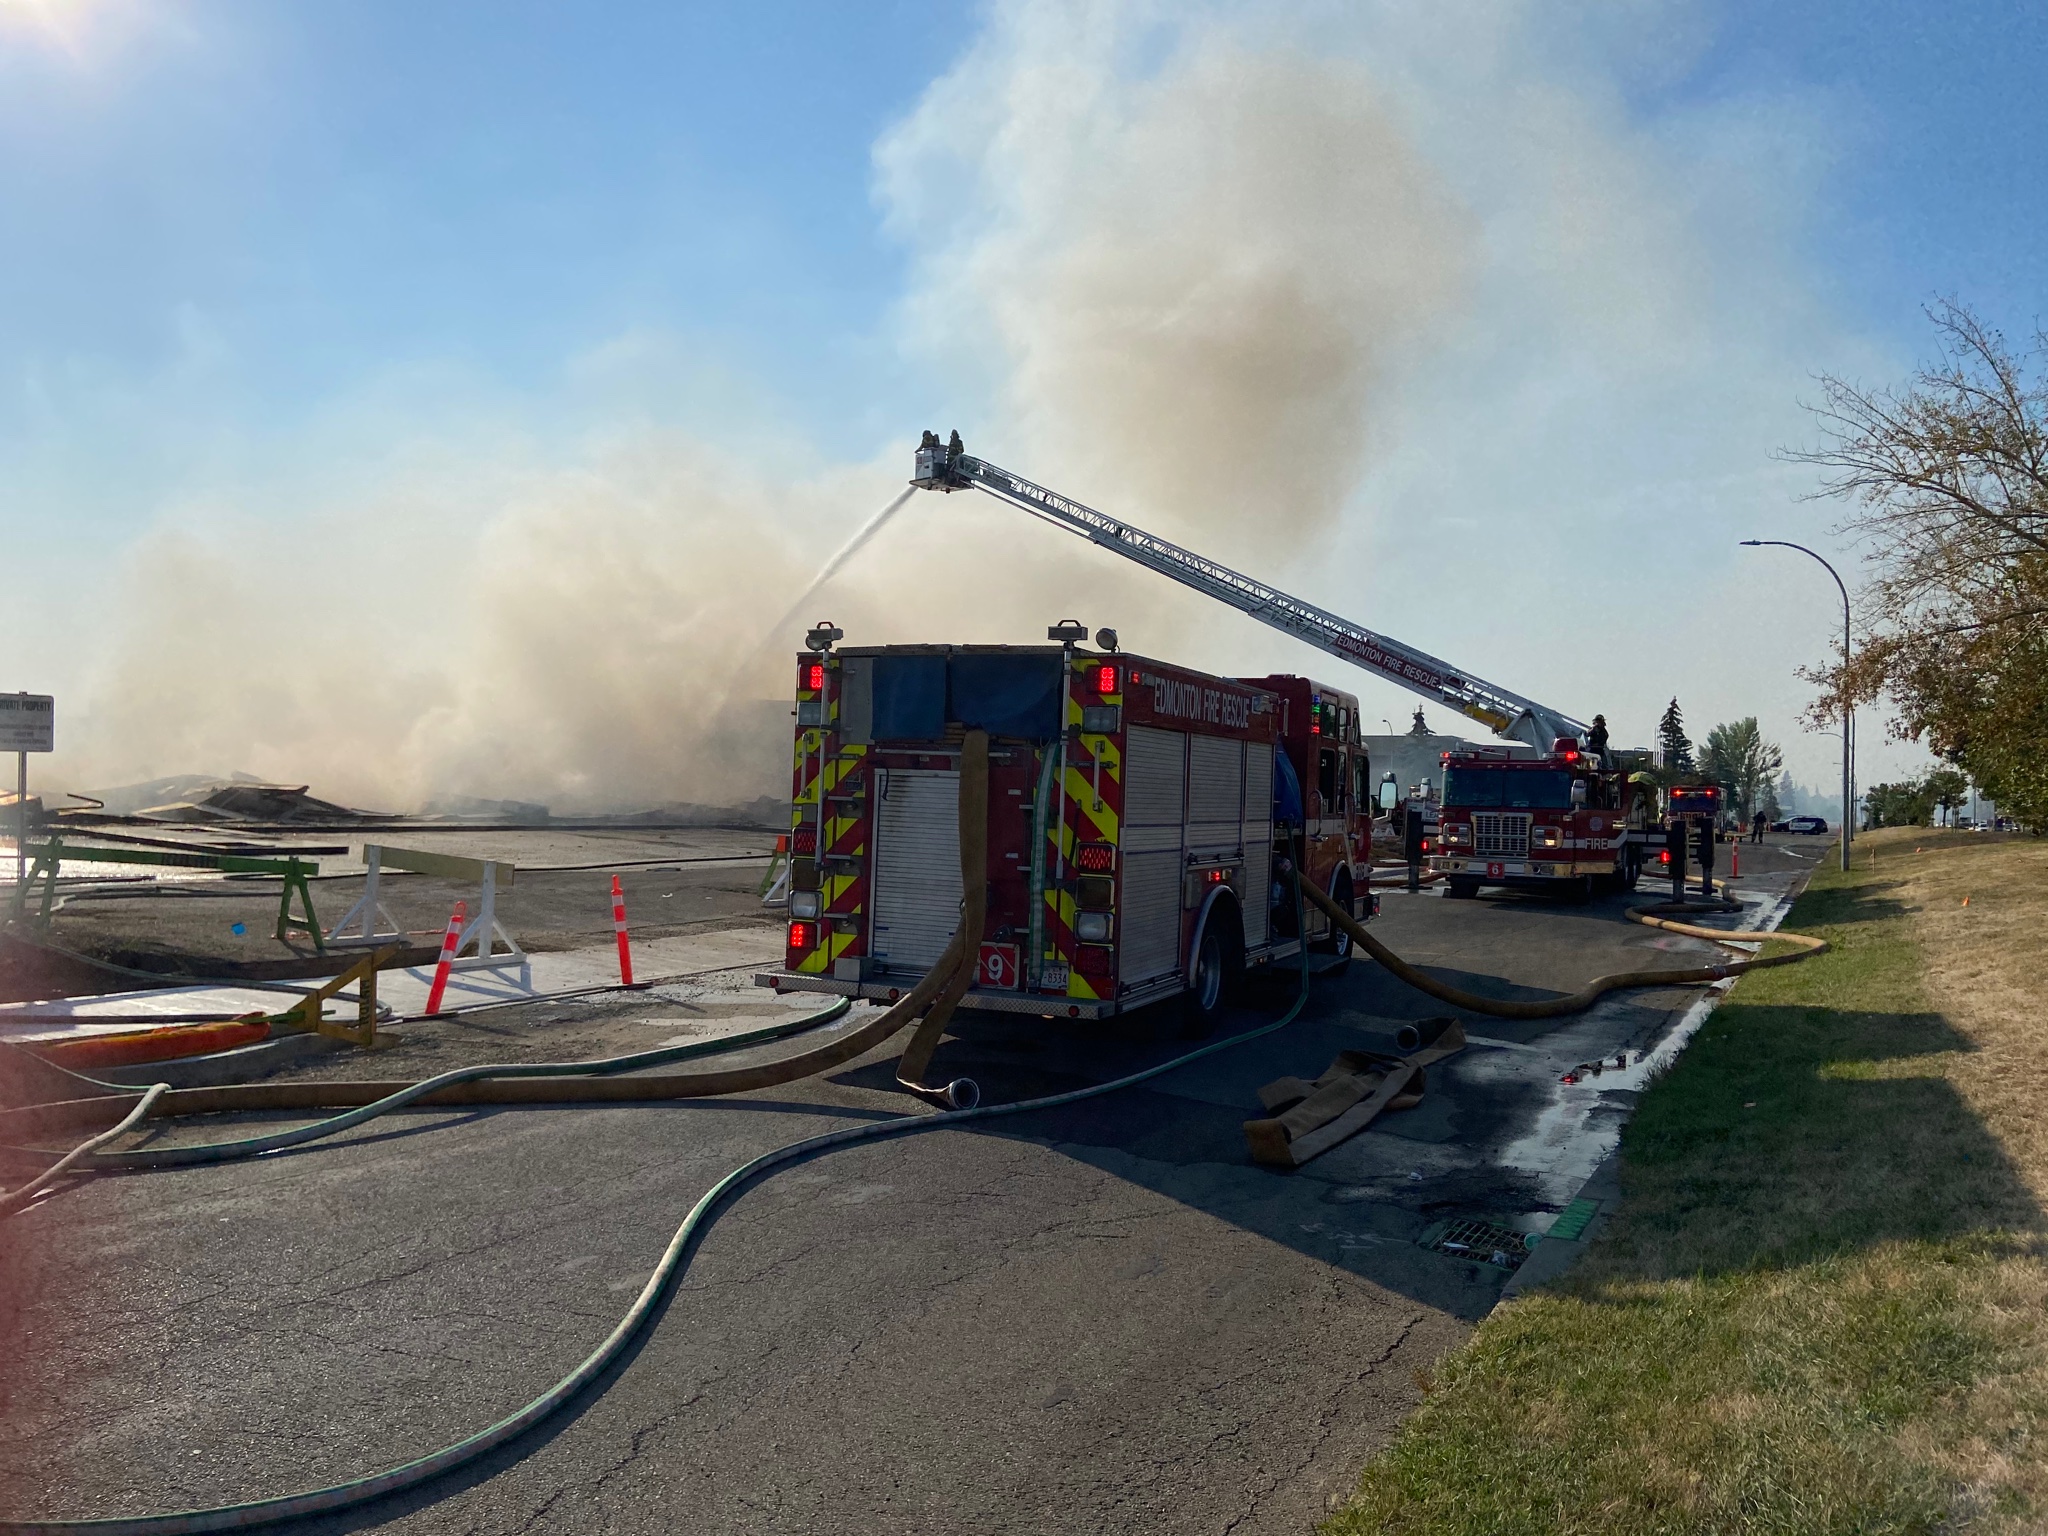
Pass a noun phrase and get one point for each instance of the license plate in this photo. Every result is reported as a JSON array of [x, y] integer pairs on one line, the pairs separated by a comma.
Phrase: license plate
[[997, 966], [1053, 978]]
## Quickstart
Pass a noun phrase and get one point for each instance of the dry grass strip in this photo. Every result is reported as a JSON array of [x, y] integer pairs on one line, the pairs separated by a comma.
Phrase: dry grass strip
[[1824, 1306]]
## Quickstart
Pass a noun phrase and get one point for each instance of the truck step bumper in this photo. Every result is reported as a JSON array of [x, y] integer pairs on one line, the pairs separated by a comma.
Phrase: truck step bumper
[[994, 1002]]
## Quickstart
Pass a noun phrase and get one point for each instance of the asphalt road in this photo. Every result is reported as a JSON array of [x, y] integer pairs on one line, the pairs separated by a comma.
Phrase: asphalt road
[[1102, 1318]]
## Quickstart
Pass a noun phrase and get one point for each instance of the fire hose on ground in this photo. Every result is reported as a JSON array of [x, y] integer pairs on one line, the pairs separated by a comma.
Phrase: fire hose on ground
[[1599, 986], [597, 1082], [411, 1474], [940, 990]]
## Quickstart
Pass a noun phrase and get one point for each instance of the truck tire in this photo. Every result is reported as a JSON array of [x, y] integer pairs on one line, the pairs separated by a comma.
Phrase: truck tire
[[1461, 890], [1218, 971], [1338, 942]]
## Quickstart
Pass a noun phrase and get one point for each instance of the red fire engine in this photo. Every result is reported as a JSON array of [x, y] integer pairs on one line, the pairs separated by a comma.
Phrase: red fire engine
[[1136, 814], [1564, 821]]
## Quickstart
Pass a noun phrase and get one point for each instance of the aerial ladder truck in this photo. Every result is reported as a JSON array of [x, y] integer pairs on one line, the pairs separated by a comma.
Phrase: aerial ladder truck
[[1568, 819]]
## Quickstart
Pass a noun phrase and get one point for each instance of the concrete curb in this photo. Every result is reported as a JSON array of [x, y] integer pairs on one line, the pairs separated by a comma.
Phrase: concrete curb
[[1554, 1255], [241, 1065]]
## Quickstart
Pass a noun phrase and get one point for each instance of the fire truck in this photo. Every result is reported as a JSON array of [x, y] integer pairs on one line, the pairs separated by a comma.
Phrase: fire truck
[[1564, 821], [1137, 811], [1521, 839]]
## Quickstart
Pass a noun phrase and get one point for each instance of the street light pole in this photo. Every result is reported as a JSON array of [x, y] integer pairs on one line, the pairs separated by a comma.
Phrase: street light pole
[[1848, 713]]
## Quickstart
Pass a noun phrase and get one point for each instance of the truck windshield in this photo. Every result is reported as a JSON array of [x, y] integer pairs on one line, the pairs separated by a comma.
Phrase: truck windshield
[[1519, 788]]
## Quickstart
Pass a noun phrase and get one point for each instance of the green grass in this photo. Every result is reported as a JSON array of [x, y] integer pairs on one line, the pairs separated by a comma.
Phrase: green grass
[[1819, 1308]]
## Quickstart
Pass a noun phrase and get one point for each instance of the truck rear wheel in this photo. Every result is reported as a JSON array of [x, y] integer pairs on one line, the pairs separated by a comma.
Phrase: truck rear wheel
[[1218, 968], [1338, 941]]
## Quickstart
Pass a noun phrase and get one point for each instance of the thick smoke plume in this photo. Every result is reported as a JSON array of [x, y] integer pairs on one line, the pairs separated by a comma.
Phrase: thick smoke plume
[[1194, 283]]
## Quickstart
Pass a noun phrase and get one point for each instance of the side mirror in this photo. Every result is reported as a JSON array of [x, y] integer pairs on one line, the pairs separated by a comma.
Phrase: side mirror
[[1390, 794]]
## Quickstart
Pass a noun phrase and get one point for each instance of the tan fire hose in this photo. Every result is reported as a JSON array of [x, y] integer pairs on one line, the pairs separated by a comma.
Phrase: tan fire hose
[[1592, 991], [1306, 1119], [941, 988]]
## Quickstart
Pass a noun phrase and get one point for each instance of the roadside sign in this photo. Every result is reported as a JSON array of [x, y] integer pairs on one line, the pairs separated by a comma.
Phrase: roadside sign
[[28, 722]]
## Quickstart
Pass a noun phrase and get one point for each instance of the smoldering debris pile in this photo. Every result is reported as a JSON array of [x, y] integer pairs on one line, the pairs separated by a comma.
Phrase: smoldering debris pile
[[273, 804]]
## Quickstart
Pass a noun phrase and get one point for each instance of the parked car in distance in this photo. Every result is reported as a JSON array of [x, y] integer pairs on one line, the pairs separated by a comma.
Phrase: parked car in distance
[[1811, 825]]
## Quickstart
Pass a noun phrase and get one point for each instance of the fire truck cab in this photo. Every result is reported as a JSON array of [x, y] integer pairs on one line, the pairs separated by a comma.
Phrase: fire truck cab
[[1565, 822], [1137, 814]]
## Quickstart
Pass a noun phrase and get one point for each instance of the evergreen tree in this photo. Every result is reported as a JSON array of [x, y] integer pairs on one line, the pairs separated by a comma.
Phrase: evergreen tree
[[1675, 744], [1788, 797]]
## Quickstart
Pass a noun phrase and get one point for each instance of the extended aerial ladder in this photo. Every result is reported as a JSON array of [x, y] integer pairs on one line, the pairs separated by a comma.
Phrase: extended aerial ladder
[[947, 467]]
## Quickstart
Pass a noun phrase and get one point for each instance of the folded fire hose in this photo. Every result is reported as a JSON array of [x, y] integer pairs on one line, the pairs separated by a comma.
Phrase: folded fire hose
[[1348, 1097]]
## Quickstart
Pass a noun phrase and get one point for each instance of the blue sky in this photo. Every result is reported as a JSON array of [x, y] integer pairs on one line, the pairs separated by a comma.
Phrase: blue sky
[[257, 259]]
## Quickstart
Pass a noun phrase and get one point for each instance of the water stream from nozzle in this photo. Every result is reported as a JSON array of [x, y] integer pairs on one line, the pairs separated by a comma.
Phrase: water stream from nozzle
[[846, 552]]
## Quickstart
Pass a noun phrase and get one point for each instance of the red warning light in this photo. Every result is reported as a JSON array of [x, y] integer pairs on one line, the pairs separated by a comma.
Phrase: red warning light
[[805, 840], [814, 676], [800, 935], [1095, 858], [1093, 960], [1105, 680]]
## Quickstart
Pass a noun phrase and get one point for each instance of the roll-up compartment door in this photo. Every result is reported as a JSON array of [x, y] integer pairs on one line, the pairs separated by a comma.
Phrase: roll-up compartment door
[[1215, 779], [916, 889], [1155, 771], [1258, 840], [1150, 915], [1258, 890]]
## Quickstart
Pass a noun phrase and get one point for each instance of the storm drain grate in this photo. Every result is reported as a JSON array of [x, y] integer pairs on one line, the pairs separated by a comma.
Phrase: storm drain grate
[[1481, 1241]]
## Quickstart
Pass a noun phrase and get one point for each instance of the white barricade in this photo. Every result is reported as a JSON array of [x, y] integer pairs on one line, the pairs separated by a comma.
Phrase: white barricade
[[481, 934]]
